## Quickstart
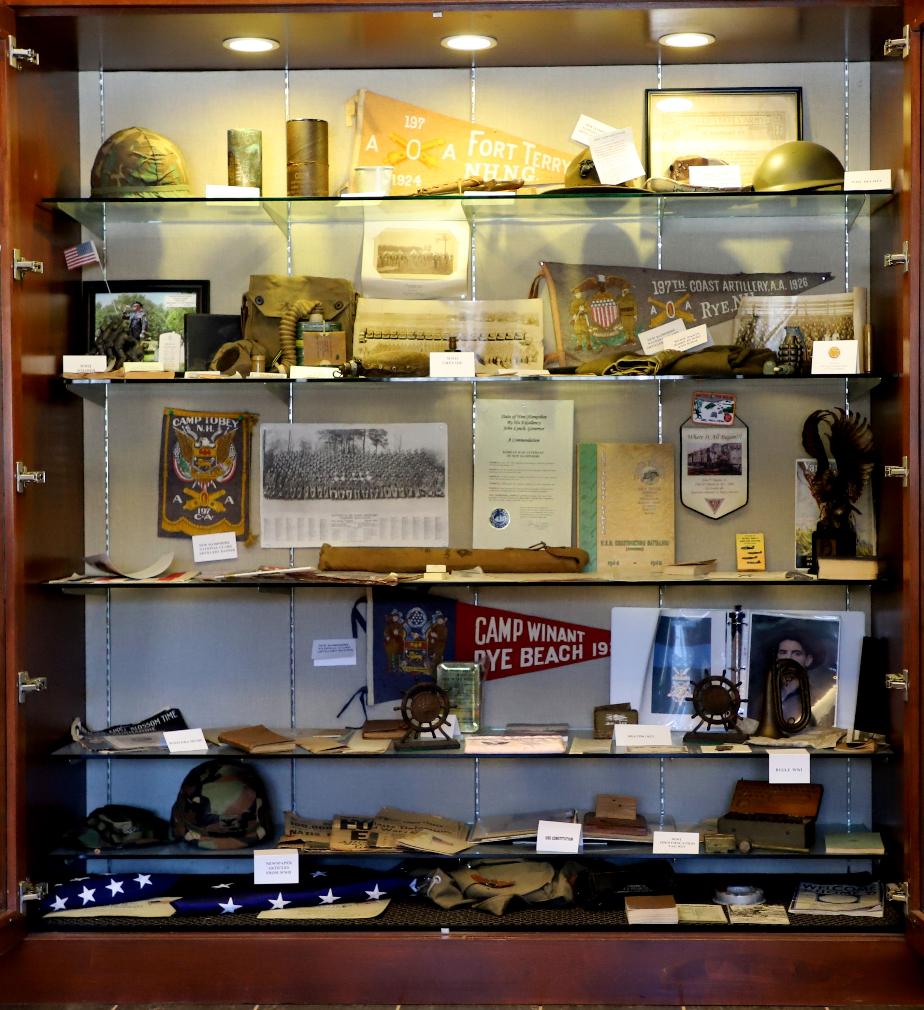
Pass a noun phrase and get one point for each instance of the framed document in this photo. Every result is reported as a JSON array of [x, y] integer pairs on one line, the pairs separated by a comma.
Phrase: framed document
[[737, 126]]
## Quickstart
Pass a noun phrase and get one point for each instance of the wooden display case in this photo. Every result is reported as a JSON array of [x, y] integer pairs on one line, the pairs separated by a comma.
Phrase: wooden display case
[[238, 654]]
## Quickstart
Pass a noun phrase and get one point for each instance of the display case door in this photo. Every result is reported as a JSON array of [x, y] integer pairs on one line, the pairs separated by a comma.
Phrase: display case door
[[41, 429]]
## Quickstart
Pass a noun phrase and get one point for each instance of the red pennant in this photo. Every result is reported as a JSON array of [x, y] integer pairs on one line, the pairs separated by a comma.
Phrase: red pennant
[[507, 644]]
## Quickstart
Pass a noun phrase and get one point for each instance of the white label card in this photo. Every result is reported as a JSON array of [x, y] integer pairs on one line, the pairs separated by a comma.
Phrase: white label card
[[314, 371], [333, 652], [588, 129], [874, 178], [452, 363], [214, 547], [142, 366], [695, 336], [215, 192], [558, 836], [615, 158], [654, 340], [671, 843], [626, 735], [835, 357], [84, 363], [716, 176], [185, 741], [790, 766], [275, 866]]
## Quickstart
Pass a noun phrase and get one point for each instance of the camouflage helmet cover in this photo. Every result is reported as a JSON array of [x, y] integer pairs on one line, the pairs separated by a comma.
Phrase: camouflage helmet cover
[[137, 162], [221, 805]]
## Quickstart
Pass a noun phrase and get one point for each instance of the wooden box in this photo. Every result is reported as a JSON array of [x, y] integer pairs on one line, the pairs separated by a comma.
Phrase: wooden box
[[772, 815]]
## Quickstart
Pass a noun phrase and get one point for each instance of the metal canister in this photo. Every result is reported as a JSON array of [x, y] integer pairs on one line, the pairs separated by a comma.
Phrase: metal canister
[[306, 157], [245, 158]]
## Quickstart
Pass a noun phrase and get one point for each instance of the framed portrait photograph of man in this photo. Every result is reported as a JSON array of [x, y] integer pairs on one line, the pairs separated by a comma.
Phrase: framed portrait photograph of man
[[141, 320]]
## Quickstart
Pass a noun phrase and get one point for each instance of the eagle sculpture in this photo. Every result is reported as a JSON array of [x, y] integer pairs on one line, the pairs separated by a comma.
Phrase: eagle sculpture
[[842, 445]]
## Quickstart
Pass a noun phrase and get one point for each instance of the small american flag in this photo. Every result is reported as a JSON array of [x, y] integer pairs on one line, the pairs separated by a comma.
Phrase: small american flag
[[81, 255]]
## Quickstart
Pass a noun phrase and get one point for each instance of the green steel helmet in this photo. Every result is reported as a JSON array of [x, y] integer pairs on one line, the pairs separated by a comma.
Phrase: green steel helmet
[[221, 805], [139, 163], [798, 165]]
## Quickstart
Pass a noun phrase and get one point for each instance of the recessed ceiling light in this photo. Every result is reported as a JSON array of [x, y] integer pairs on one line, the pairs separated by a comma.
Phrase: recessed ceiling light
[[245, 44], [686, 40], [469, 43]]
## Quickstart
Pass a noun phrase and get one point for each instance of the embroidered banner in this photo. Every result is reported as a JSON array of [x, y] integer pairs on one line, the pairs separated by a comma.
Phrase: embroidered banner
[[426, 148], [204, 473], [410, 635]]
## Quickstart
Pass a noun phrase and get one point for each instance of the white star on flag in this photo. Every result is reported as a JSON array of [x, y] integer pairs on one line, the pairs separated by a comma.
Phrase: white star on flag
[[219, 887], [413, 885], [279, 902], [375, 893], [87, 894], [329, 898], [114, 887], [76, 880], [59, 904], [143, 880], [319, 873], [228, 906]]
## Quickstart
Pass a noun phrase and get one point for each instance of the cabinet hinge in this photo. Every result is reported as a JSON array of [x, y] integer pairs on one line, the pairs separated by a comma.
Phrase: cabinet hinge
[[897, 892], [26, 476], [31, 892], [891, 47], [18, 56], [898, 471], [29, 685], [21, 266], [901, 259], [897, 682]]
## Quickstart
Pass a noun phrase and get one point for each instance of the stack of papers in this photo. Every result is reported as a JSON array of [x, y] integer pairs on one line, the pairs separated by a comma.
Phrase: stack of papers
[[651, 910]]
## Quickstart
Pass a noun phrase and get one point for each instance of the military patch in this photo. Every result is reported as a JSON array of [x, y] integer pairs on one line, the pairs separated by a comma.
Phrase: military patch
[[204, 473]]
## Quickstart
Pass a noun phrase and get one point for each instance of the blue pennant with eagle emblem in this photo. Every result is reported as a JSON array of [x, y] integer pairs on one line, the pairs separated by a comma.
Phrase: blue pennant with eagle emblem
[[205, 473]]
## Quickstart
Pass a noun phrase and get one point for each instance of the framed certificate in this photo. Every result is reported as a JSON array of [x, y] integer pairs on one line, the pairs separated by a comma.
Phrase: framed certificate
[[737, 126]]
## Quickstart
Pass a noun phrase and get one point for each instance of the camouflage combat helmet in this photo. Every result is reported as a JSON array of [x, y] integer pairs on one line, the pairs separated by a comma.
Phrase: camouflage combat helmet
[[116, 826], [798, 165], [221, 805], [139, 163]]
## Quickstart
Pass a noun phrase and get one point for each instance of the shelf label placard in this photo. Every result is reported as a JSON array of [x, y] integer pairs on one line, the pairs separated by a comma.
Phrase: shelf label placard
[[186, 741], [675, 843], [214, 547], [275, 866], [558, 836], [790, 765], [641, 735]]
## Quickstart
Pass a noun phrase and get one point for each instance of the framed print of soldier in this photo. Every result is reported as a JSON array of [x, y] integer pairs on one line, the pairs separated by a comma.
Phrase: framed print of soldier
[[125, 318]]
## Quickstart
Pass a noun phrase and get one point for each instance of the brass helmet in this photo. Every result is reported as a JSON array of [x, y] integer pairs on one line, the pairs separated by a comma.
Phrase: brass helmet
[[798, 165], [583, 173], [137, 162]]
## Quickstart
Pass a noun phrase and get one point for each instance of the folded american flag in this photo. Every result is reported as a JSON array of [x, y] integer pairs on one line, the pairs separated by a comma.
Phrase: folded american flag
[[81, 255], [107, 889], [321, 888]]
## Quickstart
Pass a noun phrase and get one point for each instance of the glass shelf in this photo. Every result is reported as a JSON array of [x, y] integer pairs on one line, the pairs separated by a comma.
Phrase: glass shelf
[[836, 208], [495, 850], [411, 582], [73, 751]]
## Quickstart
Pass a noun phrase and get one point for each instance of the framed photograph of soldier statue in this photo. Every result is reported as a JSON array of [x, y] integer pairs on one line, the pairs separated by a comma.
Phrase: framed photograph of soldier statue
[[126, 319]]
